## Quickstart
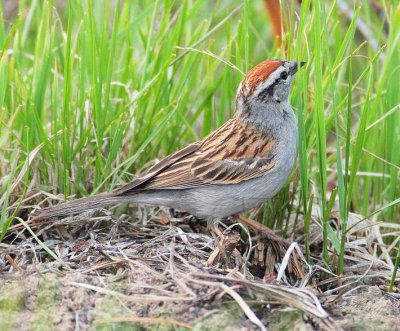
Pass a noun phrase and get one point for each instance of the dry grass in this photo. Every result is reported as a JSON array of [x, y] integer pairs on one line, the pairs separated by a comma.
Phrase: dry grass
[[153, 267]]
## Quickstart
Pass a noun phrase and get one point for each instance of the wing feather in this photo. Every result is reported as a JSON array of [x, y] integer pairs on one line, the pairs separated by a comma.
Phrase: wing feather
[[232, 154], [140, 182]]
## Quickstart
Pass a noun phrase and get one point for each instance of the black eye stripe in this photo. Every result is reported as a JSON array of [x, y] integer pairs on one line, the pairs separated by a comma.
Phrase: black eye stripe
[[270, 88], [284, 75], [269, 91]]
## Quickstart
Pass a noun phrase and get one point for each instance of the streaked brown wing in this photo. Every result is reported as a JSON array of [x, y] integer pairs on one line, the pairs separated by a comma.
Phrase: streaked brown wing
[[231, 154], [164, 164], [237, 153]]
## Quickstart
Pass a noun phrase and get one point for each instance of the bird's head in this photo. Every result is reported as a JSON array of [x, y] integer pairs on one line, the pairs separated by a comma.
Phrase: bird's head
[[266, 88], [269, 81]]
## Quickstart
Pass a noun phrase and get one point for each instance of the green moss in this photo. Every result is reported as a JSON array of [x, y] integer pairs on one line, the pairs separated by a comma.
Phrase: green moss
[[288, 319], [226, 318], [12, 302], [48, 297]]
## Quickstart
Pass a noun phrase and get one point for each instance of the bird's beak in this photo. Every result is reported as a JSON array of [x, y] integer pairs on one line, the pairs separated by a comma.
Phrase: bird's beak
[[294, 66]]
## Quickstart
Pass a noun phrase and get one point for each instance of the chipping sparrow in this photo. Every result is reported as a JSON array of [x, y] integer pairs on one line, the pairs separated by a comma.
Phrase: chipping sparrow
[[235, 168]]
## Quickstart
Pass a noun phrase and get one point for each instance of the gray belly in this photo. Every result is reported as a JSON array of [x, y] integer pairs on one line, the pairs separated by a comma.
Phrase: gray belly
[[224, 200]]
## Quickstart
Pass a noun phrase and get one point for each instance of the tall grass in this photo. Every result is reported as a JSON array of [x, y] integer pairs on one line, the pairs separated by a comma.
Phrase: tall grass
[[92, 90]]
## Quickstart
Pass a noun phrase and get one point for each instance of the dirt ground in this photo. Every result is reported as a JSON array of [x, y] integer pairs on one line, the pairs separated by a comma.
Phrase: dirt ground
[[148, 271]]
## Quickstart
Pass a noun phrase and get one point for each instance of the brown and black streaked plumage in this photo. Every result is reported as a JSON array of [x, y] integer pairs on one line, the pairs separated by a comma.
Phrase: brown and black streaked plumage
[[229, 155], [235, 168]]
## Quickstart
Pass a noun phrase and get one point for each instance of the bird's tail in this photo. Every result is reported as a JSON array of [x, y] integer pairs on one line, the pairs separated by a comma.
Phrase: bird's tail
[[79, 205]]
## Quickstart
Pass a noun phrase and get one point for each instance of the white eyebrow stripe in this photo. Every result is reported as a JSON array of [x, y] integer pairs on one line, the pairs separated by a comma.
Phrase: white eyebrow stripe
[[271, 80]]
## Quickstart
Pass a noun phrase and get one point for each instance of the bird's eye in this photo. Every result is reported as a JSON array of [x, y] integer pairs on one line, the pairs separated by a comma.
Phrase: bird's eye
[[284, 75]]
